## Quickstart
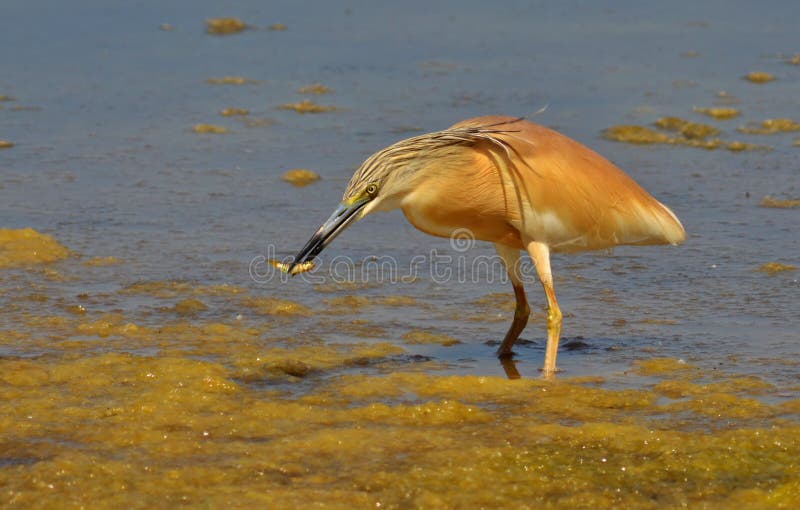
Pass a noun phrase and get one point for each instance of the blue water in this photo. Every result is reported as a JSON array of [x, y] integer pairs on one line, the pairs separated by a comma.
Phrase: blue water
[[107, 164]]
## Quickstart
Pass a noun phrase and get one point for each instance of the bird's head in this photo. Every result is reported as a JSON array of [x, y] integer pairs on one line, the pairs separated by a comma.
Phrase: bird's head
[[371, 188]]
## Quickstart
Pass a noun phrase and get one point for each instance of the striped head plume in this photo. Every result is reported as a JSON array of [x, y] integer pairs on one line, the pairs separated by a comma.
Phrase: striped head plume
[[401, 159]]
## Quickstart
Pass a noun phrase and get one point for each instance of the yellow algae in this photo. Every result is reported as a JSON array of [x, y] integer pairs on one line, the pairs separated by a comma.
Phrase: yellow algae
[[306, 106], [695, 131], [5, 144], [357, 301], [224, 26], [301, 361], [101, 261], [209, 128], [167, 431], [796, 142], [680, 388], [737, 146], [230, 80], [770, 126], [315, 89], [231, 112], [189, 306], [775, 267], [5, 98], [23, 247], [759, 77], [300, 177], [425, 337], [718, 113], [278, 27], [172, 289], [778, 203], [275, 306], [639, 135], [662, 366], [794, 60]]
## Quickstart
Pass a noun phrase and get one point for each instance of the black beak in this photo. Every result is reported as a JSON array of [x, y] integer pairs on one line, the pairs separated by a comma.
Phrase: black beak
[[343, 216]]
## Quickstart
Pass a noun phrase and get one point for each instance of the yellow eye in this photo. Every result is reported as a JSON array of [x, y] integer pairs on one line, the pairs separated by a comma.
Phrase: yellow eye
[[372, 189]]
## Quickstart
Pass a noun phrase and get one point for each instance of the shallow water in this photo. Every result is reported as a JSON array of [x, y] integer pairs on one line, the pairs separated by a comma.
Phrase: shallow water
[[148, 366]]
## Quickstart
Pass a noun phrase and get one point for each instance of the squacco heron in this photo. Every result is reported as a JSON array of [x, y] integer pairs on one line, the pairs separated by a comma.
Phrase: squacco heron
[[513, 183]]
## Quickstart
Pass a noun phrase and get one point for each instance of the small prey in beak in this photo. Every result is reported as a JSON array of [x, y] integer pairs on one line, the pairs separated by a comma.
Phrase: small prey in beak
[[344, 215]]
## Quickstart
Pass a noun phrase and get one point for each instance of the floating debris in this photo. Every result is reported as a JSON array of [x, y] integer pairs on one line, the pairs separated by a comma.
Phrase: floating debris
[[278, 27], [759, 77], [5, 144], [690, 54], [770, 126], [314, 88], [209, 129], [796, 142], [230, 80], [725, 98], [166, 27], [4, 98], [230, 112], [794, 60], [718, 113], [306, 106], [775, 267], [225, 26], [300, 177], [778, 203]]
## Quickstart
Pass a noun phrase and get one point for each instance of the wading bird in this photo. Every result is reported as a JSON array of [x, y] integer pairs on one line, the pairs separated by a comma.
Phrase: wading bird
[[513, 183]]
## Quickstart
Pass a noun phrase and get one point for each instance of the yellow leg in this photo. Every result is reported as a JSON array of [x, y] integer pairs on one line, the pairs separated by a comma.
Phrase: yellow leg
[[510, 257], [540, 254]]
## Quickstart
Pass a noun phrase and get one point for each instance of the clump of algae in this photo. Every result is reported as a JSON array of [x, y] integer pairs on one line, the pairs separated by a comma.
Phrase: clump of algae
[[315, 89], [231, 112], [425, 337], [690, 134], [690, 130], [101, 261], [778, 203], [278, 27], [230, 80], [189, 306], [23, 247], [718, 113], [276, 306], [225, 26], [300, 177], [639, 135], [167, 289], [306, 106], [770, 126], [209, 129], [5, 144], [759, 77], [775, 268]]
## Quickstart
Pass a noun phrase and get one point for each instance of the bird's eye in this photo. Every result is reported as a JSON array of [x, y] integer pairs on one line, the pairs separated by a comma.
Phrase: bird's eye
[[372, 189]]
